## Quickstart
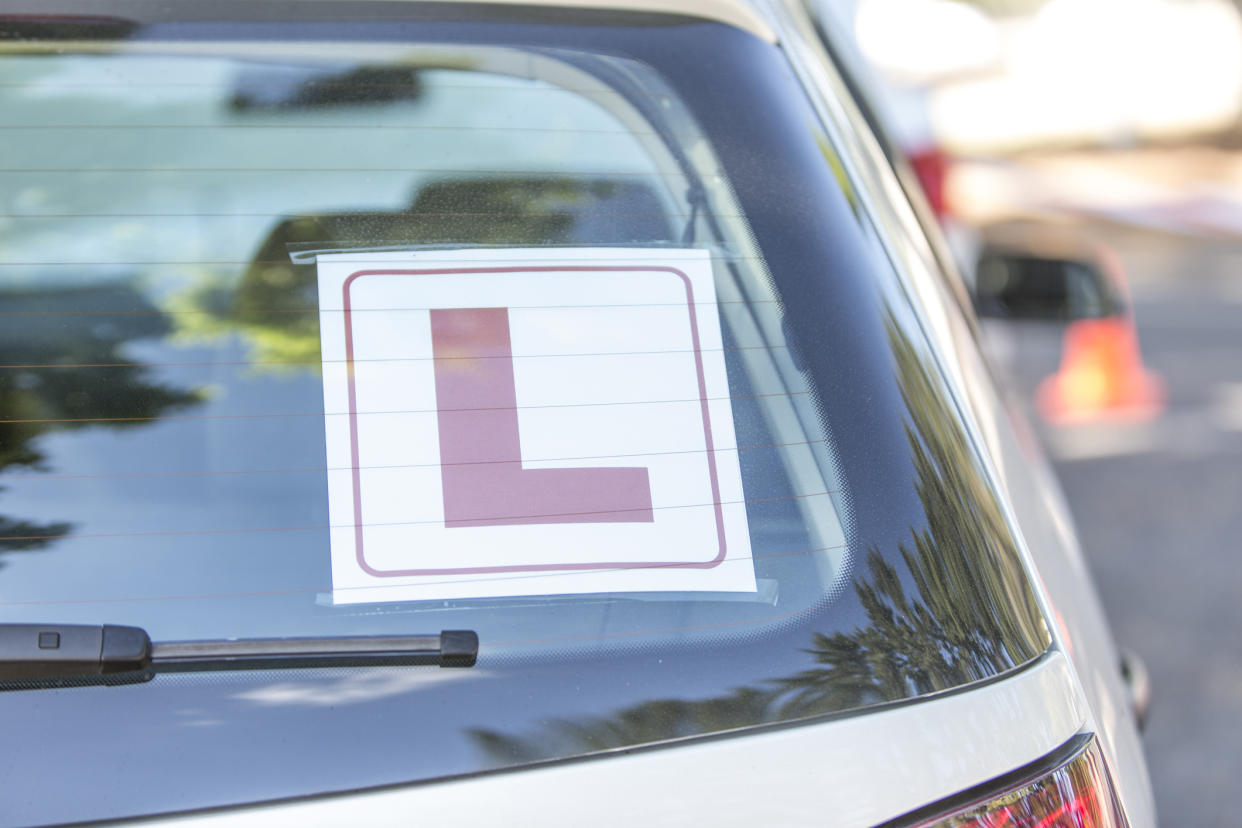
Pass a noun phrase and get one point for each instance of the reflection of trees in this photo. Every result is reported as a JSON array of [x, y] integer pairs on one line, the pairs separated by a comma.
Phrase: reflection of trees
[[74, 327], [272, 308], [971, 613], [952, 608], [646, 723]]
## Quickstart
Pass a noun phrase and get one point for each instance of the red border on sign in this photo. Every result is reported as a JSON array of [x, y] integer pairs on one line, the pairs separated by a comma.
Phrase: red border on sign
[[353, 427]]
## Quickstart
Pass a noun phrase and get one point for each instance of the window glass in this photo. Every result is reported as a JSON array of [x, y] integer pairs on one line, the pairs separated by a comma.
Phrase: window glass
[[160, 286], [175, 189]]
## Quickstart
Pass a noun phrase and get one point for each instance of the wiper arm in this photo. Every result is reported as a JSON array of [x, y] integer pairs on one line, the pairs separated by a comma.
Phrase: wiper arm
[[78, 653]]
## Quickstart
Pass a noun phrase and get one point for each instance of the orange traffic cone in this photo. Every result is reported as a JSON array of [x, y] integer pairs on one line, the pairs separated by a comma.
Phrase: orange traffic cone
[[1101, 377]]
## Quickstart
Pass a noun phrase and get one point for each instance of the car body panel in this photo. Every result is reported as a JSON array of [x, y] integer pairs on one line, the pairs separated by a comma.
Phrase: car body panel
[[848, 772], [740, 15]]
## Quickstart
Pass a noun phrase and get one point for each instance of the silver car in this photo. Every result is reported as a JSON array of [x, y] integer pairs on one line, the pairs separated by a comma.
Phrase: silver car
[[542, 413]]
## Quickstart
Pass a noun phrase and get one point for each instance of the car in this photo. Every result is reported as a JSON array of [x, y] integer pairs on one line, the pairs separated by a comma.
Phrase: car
[[1070, 354], [941, 39], [511, 413]]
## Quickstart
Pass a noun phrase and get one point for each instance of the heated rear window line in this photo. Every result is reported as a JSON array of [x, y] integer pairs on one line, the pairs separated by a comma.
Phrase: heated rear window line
[[328, 589], [437, 521]]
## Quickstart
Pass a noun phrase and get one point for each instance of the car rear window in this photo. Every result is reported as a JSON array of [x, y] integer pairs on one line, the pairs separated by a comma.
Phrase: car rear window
[[272, 295], [165, 346]]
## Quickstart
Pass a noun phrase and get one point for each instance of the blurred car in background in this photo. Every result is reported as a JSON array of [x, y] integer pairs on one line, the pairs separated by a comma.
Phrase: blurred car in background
[[872, 43], [746, 536], [1086, 367], [1066, 337]]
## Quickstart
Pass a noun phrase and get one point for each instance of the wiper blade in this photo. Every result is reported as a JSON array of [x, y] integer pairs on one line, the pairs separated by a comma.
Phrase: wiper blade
[[452, 648], [87, 654]]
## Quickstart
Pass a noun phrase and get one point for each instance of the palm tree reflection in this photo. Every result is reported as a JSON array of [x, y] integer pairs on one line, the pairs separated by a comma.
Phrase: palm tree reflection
[[951, 607], [273, 306]]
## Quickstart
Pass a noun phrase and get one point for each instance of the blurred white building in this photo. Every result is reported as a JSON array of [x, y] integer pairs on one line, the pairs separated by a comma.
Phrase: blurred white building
[[1070, 72]]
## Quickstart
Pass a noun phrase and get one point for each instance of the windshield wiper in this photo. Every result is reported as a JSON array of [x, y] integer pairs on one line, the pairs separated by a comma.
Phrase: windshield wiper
[[87, 654]]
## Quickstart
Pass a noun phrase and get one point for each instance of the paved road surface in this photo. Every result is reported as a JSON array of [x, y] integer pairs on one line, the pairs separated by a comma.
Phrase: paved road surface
[[1159, 508]]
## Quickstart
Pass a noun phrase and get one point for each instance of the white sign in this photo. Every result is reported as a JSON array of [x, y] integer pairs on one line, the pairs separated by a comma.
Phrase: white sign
[[528, 422]]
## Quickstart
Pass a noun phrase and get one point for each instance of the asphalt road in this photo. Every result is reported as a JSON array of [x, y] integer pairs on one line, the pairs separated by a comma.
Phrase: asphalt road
[[1159, 510]]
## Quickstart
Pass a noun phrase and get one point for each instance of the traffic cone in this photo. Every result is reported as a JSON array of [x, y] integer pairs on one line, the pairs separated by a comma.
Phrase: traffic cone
[[1101, 376]]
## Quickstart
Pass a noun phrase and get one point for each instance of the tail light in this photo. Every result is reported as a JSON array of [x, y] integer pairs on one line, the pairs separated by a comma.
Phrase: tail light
[[931, 167], [1076, 793]]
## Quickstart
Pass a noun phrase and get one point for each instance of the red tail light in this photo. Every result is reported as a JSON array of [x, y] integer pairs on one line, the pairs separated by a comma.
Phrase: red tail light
[[931, 167], [1076, 794]]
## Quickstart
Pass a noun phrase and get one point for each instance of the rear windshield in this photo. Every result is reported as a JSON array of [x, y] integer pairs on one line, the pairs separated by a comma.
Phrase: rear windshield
[[287, 334], [569, 333]]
